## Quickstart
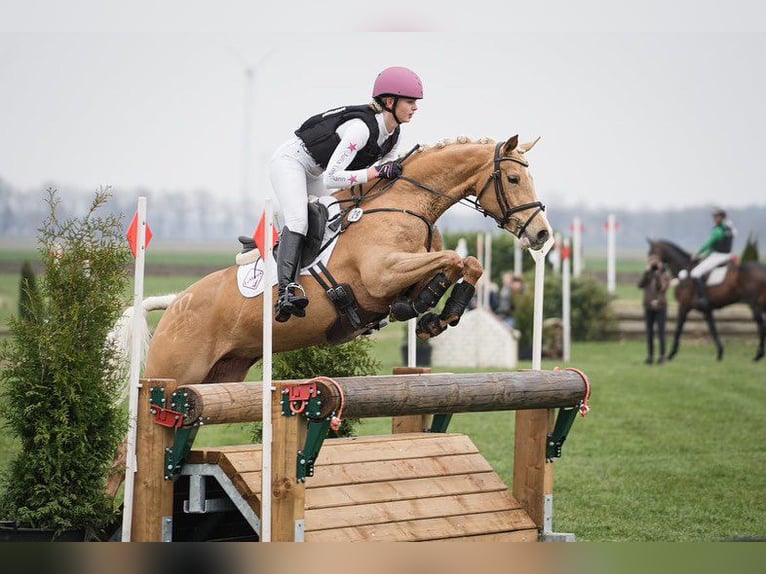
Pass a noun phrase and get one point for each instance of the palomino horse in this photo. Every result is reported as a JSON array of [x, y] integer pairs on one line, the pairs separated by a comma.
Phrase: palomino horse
[[745, 283], [210, 333]]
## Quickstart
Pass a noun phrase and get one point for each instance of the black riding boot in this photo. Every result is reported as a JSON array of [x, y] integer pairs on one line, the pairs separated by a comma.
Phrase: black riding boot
[[701, 292], [288, 267]]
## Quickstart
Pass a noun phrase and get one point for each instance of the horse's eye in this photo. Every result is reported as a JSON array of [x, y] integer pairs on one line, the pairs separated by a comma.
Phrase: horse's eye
[[514, 179]]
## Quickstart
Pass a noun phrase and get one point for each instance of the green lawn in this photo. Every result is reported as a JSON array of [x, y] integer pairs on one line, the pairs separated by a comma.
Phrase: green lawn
[[668, 453], [673, 452]]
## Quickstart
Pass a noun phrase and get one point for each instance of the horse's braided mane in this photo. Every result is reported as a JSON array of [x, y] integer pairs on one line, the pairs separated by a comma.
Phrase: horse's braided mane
[[458, 140]]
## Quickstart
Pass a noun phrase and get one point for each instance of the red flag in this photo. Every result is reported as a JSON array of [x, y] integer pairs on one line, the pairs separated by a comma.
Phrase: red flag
[[260, 233], [133, 235]]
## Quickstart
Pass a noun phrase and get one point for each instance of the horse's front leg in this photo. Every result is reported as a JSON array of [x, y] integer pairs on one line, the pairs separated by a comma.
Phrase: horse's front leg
[[430, 324], [682, 313], [390, 274]]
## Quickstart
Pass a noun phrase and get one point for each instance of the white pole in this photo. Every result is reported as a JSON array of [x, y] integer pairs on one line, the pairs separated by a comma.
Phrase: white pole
[[135, 370], [566, 319], [482, 280], [517, 258], [576, 247], [611, 235], [268, 276], [537, 323], [412, 342], [487, 268]]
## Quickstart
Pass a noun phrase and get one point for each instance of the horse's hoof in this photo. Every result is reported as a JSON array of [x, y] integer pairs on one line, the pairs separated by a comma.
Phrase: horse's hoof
[[758, 357]]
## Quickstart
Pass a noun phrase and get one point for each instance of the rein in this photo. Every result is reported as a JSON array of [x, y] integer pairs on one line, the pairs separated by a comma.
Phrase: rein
[[508, 212]]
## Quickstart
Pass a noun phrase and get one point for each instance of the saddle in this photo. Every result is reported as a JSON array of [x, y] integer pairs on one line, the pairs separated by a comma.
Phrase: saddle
[[318, 222], [352, 320]]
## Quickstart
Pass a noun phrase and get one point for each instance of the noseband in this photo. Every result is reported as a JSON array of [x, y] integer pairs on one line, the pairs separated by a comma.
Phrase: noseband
[[517, 227]]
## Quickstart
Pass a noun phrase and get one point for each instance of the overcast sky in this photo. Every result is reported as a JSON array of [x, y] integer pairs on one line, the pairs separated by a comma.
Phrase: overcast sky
[[664, 106]]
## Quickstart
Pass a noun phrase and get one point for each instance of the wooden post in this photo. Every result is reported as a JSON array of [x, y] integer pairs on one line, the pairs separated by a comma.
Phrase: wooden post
[[410, 423], [288, 495], [153, 495], [532, 474]]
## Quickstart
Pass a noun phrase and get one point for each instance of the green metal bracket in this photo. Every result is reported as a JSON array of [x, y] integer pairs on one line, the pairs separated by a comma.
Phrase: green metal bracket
[[172, 416], [439, 423], [176, 455], [555, 439], [315, 435], [301, 399]]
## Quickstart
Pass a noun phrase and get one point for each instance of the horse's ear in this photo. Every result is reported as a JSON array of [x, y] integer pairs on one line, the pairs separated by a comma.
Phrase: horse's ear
[[524, 148], [510, 145]]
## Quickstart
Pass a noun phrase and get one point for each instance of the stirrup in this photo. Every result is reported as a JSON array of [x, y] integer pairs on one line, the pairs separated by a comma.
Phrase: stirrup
[[289, 303]]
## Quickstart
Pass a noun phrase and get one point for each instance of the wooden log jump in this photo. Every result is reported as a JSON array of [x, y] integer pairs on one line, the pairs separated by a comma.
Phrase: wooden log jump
[[353, 494], [398, 395]]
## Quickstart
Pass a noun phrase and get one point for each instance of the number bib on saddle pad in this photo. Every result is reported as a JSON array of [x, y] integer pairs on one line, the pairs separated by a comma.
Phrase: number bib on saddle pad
[[250, 275]]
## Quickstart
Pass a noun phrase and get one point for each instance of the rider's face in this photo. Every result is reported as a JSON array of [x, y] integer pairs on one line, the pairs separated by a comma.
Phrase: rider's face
[[405, 109]]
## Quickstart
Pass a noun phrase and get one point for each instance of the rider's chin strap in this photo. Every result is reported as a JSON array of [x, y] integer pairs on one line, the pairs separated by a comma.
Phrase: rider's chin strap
[[392, 110]]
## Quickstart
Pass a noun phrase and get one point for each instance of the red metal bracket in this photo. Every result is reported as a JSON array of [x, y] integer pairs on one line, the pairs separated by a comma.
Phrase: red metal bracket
[[298, 396], [167, 418]]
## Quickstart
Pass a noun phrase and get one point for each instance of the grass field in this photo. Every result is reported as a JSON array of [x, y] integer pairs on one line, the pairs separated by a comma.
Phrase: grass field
[[668, 453]]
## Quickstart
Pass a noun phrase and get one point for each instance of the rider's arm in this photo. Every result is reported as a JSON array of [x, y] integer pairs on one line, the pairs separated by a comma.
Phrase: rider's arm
[[353, 137], [715, 236], [390, 156]]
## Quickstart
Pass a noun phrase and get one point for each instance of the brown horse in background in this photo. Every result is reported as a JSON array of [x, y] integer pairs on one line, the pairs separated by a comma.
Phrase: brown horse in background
[[211, 333], [745, 283]]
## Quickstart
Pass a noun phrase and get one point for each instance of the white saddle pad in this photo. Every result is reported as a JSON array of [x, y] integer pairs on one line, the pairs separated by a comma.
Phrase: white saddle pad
[[250, 275], [717, 275]]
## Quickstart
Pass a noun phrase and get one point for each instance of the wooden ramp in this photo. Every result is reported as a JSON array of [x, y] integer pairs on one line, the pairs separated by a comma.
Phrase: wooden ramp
[[402, 487]]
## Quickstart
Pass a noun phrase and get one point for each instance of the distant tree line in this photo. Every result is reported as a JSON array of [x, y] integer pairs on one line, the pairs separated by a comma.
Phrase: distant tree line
[[199, 216]]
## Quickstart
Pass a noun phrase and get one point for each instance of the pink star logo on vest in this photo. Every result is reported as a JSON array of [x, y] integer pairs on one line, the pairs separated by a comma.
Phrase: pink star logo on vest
[[352, 179], [352, 147]]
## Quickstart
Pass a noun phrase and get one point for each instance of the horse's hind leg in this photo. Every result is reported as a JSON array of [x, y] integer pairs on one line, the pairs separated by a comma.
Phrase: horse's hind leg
[[714, 333], [758, 318]]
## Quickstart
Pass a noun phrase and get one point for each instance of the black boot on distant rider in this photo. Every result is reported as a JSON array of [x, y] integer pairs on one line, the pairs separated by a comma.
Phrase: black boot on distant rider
[[702, 301], [292, 298]]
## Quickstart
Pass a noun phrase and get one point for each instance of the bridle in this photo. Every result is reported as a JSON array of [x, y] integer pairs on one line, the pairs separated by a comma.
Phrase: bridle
[[502, 198]]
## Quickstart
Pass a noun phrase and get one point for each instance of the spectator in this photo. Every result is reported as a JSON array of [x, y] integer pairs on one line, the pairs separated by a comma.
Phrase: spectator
[[655, 282]]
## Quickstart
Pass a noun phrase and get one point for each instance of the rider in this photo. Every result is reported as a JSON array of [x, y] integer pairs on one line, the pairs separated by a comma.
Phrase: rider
[[333, 150], [715, 251]]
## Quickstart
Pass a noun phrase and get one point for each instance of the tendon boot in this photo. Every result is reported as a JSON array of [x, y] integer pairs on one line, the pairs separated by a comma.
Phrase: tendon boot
[[289, 302], [702, 301]]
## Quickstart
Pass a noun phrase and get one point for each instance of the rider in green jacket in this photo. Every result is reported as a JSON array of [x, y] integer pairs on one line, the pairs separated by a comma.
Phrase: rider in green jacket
[[714, 252]]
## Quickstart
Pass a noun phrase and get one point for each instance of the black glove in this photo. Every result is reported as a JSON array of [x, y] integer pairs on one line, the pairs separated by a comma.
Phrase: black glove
[[390, 170]]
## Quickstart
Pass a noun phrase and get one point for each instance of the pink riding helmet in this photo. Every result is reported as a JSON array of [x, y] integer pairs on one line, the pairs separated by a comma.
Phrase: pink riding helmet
[[398, 81]]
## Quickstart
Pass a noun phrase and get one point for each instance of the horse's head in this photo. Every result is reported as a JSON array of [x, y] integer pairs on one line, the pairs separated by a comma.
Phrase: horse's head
[[509, 197], [670, 254]]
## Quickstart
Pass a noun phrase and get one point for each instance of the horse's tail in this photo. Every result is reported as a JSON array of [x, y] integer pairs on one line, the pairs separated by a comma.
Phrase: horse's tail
[[121, 335]]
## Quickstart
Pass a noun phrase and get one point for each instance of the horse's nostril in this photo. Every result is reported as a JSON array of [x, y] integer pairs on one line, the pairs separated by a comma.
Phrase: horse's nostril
[[542, 236]]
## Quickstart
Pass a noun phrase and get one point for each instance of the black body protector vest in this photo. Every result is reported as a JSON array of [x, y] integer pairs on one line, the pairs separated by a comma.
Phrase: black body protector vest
[[724, 244], [318, 134]]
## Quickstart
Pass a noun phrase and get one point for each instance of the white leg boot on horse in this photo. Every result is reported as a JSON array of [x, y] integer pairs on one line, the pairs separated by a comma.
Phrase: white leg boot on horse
[[288, 267]]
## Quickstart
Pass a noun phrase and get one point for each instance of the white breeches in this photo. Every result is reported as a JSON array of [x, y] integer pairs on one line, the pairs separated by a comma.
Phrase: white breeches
[[709, 263], [295, 176]]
